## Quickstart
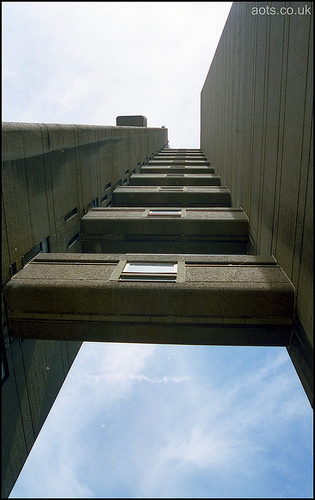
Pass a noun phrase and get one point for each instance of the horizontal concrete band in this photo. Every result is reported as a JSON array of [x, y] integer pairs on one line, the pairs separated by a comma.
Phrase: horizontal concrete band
[[207, 260], [247, 292], [162, 212], [175, 179], [166, 162], [169, 320], [149, 245], [176, 169], [181, 150], [178, 157], [157, 196], [155, 333], [203, 227]]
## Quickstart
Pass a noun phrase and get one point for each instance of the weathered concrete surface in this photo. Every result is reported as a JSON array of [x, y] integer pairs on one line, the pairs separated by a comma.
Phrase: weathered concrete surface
[[51, 169], [256, 125], [177, 161], [179, 169], [189, 196], [131, 121], [48, 172], [175, 180], [212, 231], [210, 295]]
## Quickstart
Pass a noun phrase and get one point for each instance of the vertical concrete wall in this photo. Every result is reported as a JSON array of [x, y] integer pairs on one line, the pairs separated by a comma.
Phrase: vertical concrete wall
[[257, 130], [48, 171]]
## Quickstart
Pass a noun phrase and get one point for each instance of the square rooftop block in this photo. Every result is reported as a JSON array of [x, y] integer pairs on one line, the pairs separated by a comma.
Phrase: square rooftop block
[[131, 121]]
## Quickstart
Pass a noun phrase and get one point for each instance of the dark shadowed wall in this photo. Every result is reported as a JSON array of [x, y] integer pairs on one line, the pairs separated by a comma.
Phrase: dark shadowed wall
[[51, 175]]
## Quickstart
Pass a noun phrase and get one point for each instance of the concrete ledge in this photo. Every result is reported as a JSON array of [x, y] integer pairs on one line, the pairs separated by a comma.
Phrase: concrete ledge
[[53, 291], [176, 169], [144, 230], [175, 179], [188, 196], [166, 162]]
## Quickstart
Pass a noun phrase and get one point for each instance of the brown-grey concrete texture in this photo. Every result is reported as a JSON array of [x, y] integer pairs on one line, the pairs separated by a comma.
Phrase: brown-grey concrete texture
[[176, 169], [37, 370], [233, 295], [181, 151], [189, 196], [166, 162], [197, 231], [175, 180], [201, 221], [47, 171], [50, 169], [131, 120], [165, 156], [256, 126]]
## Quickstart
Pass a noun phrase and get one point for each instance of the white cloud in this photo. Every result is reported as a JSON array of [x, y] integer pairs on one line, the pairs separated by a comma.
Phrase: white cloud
[[110, 58], [144, 420]]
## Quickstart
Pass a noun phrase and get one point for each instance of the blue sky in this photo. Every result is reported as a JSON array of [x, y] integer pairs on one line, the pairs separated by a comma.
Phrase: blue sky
[[175, 421], [143, 420]]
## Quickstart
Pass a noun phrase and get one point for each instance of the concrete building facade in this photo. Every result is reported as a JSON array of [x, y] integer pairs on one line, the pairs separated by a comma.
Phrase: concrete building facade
[[244, 236], [51, 176], [257, 126]]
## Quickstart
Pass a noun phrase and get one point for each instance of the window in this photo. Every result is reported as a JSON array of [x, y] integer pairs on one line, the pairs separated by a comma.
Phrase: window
[[93, 203], [13, 269], [149, 271], [165, 213], [43, 246], [171, 188], [70, 214], [175, 175], [4, 365], [73, 240]]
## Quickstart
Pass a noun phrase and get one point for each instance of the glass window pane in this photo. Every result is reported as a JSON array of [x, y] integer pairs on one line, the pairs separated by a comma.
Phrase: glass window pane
[[150, 267], [165, 212]]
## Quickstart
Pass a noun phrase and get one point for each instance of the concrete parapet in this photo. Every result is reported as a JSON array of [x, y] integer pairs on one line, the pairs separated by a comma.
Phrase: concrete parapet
[[189, 230], [189, 196], [178, 161], [176, 169], [175, 180], [171, 299]]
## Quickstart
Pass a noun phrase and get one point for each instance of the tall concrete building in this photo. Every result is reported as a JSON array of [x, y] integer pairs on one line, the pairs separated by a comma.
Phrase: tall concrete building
[[51, 176], [110, 235]]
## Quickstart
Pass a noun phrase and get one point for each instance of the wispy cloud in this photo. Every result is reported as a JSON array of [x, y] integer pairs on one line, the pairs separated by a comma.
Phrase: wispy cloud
[[64, 111], [72, 58], [142, 420]]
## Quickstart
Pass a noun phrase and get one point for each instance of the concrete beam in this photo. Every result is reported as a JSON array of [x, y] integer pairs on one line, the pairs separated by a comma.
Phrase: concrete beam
[[179, 169], [175, 180], [189, 196], [177, 161], [211, 300], [217, 231]]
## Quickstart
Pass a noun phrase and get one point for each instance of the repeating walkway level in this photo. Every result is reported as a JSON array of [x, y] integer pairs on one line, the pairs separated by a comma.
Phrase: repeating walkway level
[[166, 263], [176, 179], [164, 230]]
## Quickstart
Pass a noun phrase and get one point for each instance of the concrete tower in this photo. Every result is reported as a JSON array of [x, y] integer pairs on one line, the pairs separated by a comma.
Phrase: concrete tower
[[110, 235]]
